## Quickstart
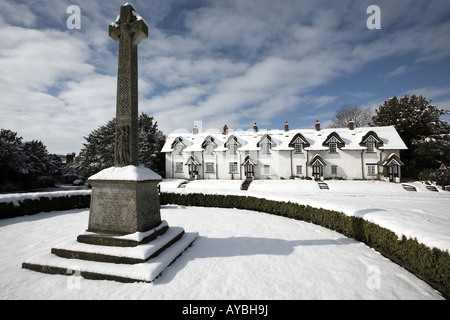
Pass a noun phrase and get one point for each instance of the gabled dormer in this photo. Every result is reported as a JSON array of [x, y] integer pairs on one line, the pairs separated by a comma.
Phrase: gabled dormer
[[232, 144], [333, 142], [178, 145], [299, 142], [266, 144], [209, 145], [371, 141]]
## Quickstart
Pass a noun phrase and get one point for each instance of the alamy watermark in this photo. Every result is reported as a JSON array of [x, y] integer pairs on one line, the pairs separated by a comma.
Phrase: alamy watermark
[[374, 21], [373, 281], [74, 20]]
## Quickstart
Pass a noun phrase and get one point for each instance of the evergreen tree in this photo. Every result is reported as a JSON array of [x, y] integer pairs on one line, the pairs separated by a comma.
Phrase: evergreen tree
[[419, 125], [23, 164], [98, 151]]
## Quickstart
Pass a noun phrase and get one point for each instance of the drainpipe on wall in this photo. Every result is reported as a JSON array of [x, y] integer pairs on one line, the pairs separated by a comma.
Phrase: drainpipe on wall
[[362, 164], [292, 168], [306, 164]]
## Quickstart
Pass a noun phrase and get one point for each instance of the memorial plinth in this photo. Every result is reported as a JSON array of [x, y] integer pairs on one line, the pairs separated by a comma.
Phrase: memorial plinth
[[124, 200]]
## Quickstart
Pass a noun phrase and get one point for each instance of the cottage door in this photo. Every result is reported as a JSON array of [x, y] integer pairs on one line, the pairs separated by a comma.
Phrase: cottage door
[[249, 170], [317, 172]]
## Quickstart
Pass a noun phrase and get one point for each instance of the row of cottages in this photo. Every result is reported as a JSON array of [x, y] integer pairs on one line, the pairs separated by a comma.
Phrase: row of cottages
[[348, 153]]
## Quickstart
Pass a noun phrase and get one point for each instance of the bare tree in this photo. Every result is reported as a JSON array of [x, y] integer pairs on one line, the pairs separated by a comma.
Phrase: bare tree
[[361, 116]]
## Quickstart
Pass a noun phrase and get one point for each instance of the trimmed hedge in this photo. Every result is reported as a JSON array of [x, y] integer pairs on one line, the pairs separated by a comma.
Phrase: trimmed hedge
[[44, 204], [431, 265]]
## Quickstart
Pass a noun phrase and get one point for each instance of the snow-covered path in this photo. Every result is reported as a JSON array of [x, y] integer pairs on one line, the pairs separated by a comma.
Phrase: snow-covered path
[[238, 255]]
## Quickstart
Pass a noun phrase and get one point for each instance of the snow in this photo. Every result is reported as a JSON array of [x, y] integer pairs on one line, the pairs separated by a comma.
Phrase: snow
[[127, 173], [238, 255], [244, 254], [423, 214]]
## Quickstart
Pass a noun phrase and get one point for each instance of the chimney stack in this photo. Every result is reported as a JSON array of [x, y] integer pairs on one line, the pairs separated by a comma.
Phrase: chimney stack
[[317, 125], [286, 126], [225, 130], [195, 130], [351, 124], [255, 128]]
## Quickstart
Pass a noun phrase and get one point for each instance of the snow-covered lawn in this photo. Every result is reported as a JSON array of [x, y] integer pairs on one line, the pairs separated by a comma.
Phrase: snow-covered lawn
[[238, 255], [423, 214], [244, 254]]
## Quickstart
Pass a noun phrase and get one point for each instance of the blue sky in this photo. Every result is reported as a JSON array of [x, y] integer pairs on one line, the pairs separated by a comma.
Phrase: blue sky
[[218, 62]]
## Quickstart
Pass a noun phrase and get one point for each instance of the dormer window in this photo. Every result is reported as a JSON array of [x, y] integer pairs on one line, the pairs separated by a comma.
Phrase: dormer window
[[298, 147], [333, 142], [233, 147], [333, 147], [370, 144], [299, 142], [266, 143], [265, 147], [371, 141]]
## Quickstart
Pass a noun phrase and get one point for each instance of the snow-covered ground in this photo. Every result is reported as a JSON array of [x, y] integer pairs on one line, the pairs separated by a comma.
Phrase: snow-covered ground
[[423, 214], [244, 254]]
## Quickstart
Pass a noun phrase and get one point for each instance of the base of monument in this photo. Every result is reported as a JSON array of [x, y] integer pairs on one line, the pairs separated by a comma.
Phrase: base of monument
[[129, 240], [143, 262]]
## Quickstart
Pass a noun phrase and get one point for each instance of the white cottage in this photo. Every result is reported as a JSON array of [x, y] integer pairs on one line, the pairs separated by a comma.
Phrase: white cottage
[[348, 153]]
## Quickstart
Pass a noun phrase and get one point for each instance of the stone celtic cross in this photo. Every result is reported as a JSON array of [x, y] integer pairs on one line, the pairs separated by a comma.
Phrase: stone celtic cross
[[128, 30]]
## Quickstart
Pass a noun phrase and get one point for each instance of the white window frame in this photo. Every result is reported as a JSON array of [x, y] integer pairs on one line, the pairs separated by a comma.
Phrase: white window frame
[[334, 169], [233, 167], [209, 167], [265, 147], [299, 169], [370, 144], [371, 170], [233, 147], [333, 147], [179, 167], [298, 147], [266, 169]]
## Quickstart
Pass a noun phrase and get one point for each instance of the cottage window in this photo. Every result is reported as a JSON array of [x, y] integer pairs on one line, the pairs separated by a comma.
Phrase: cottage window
[[233, 147], [209, 167], [298, 147], [299, 170], [266, 169], [265, 147], [233, 167], [370, 144], [333, 169], [333, 147], [371, 170], [179, 167]]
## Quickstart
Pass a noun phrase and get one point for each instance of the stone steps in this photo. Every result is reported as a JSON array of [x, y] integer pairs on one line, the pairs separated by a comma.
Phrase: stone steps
[[143, 262]]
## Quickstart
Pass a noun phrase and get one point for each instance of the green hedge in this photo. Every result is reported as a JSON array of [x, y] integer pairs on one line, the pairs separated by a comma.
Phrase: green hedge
[[44, 204], [431, 265]]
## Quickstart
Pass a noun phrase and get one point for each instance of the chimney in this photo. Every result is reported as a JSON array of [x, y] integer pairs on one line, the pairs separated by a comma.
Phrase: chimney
[[195, 130], [225, 130], [317, 125], [351, 124], [286, 126], [255, 127]]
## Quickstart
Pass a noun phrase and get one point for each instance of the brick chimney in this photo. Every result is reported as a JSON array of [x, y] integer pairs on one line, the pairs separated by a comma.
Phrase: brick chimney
[[351, 124], [317, 125], [225, 130], [255, 127], [286, 126], [195, 130]]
